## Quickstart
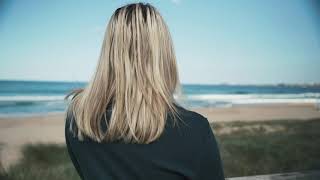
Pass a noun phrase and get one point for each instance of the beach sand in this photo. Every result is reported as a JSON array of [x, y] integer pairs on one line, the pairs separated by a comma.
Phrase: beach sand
[[18, 131]]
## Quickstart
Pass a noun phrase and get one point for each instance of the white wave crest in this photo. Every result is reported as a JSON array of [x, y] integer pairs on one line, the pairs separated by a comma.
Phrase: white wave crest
[[256, 98], [31, 98]]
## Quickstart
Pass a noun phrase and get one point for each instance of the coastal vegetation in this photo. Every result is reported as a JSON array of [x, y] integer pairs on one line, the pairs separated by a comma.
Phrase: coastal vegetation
[[247, 148]]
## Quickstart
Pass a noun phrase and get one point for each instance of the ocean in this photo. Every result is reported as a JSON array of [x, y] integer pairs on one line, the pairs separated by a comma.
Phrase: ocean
[[35, 97]]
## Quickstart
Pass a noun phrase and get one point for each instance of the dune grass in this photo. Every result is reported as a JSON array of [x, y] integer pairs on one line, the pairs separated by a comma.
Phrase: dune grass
[[43, 162], [251, 148], [247, 148]]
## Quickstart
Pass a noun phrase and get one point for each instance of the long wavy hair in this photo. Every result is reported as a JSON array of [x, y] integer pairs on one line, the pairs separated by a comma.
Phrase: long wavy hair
[[136, 74]]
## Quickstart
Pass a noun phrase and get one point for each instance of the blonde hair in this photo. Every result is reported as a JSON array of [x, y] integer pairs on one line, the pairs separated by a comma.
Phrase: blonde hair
[[136, 73]]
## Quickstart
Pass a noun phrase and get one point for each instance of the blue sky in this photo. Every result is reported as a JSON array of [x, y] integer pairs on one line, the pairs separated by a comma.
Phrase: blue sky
[[242, 42]]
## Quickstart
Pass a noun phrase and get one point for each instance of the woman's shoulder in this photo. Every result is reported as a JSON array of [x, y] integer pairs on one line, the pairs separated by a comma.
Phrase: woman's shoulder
[[193, 119], [69, 122], [192, 115], [71, 128]]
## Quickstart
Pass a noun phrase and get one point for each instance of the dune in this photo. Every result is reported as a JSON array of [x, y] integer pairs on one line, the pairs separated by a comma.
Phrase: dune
[[18, 131]]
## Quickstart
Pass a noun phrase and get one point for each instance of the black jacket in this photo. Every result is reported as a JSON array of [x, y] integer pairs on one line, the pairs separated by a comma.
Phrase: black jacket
[[187, 151]]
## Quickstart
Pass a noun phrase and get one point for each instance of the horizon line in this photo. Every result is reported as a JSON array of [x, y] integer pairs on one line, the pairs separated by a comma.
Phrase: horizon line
[[183, 83]]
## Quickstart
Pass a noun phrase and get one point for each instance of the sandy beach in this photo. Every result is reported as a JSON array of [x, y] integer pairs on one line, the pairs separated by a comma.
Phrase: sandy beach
[[17, 131]]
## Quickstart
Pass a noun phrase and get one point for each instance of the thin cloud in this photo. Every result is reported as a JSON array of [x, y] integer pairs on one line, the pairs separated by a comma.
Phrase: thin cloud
[[176, 1]]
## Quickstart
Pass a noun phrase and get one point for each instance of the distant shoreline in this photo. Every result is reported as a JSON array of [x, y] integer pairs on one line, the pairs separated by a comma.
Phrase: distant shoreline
[[22, 116], [311, 84], [30, 115]]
